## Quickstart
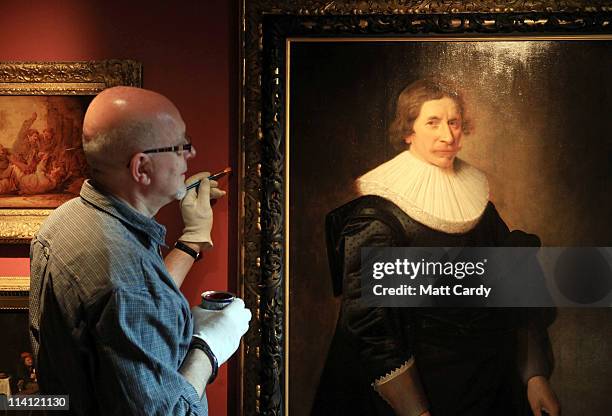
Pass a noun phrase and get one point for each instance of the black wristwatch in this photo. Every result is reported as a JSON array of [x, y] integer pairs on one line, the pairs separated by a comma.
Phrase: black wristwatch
[[185, 248], [201, 345]]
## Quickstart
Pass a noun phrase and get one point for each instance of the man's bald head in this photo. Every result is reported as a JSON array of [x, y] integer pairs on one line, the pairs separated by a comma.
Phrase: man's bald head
[[122, 121]]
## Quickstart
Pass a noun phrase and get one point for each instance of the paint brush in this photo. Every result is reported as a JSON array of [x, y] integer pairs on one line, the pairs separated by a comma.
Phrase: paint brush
[[213, 177]]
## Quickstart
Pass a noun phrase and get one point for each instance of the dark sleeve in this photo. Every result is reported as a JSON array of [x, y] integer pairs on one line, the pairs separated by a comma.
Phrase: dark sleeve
[[374, 331], [534, 352]]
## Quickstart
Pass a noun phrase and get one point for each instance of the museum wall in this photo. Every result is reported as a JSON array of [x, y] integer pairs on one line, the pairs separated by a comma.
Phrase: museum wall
[[188, 51]]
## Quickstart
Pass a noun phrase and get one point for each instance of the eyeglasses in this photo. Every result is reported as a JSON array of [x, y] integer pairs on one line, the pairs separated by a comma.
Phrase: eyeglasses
[[186, 147], [181, 147], [178, 148]]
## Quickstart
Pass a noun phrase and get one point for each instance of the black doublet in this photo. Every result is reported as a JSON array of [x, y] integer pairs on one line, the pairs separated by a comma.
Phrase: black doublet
[[466, 357]]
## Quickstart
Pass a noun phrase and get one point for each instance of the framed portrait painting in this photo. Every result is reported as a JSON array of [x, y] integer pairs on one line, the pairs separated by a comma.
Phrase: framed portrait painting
[[42, 164], [321, 83]]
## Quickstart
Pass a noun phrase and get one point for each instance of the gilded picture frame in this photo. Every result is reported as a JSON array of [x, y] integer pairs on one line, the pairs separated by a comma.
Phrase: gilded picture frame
[[14, 292], [54, 79], [266, 29]]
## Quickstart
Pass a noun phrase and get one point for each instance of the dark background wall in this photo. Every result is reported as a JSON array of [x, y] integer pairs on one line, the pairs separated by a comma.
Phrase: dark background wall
[[188, 52]]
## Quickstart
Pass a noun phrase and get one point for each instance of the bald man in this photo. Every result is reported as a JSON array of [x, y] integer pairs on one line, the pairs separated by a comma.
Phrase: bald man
[[108, 324]]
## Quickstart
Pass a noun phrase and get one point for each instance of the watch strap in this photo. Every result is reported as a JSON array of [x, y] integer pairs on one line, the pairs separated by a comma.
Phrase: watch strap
[[185, 248]]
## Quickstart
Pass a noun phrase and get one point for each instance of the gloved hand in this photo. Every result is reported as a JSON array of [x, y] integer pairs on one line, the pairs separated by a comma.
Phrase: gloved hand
[[222, 329], [197, 212]]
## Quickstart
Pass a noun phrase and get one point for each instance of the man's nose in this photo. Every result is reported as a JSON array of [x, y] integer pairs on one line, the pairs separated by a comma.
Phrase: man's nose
[[446, 135]]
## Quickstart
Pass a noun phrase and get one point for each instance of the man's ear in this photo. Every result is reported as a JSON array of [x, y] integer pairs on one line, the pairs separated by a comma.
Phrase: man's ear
[[408, 139], [141, 168]]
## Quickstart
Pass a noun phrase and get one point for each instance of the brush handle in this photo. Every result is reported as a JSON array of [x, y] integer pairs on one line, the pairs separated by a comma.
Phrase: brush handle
[[211, 178], [193, 185]]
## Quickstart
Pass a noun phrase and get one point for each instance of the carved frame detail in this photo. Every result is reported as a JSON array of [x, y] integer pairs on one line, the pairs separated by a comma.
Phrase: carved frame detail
[[14, 292], [18, 226], [265, 26]]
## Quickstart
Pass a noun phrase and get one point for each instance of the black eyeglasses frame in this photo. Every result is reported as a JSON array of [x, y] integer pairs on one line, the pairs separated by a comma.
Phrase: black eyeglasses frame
[[181, 147]]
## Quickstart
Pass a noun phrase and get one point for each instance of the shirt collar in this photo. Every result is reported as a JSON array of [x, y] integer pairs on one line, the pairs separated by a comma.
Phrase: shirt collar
[[123, 212]]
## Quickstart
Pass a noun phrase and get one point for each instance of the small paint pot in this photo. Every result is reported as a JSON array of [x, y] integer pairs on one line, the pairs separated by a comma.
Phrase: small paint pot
[[214, 300]]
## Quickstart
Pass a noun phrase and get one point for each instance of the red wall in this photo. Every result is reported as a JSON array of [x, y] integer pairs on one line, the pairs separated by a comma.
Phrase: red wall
[[188, 52]]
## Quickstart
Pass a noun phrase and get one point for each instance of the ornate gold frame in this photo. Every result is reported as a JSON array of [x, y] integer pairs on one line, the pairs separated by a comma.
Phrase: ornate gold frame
[[56, 78], [265, 28], [14, 292]]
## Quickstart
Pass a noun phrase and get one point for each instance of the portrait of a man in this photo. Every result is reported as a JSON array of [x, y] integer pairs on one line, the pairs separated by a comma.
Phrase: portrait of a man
[[518, 130]]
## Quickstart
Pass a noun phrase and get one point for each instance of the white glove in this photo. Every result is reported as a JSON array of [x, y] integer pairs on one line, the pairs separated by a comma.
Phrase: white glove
[[197, 212], [222, 329]]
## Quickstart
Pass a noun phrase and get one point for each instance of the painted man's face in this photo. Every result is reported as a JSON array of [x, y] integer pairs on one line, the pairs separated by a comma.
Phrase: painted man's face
[[437, 132]]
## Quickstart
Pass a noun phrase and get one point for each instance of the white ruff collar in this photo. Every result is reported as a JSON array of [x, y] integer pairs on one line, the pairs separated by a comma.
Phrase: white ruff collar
[[447, 200]]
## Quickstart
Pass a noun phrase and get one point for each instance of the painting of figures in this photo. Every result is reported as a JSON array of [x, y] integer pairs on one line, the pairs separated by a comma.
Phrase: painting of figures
[[41, 160]]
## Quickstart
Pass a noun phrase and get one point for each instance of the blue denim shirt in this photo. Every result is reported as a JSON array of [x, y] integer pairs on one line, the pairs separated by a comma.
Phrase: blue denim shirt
[[108, 324]]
